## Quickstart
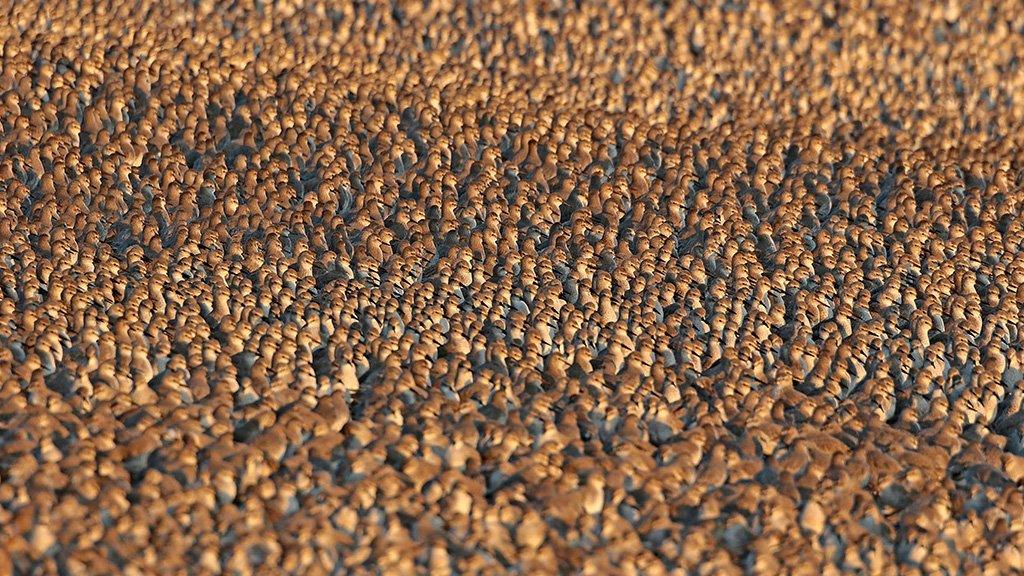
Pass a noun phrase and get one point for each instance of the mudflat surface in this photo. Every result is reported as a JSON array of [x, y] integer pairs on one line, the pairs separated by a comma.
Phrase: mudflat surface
[[494, 287]]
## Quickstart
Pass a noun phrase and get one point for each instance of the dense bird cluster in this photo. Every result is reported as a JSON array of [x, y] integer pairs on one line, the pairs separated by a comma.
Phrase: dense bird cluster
[[628, 287]]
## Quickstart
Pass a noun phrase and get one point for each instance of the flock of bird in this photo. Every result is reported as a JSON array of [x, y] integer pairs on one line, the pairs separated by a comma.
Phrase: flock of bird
[[493, 286]]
